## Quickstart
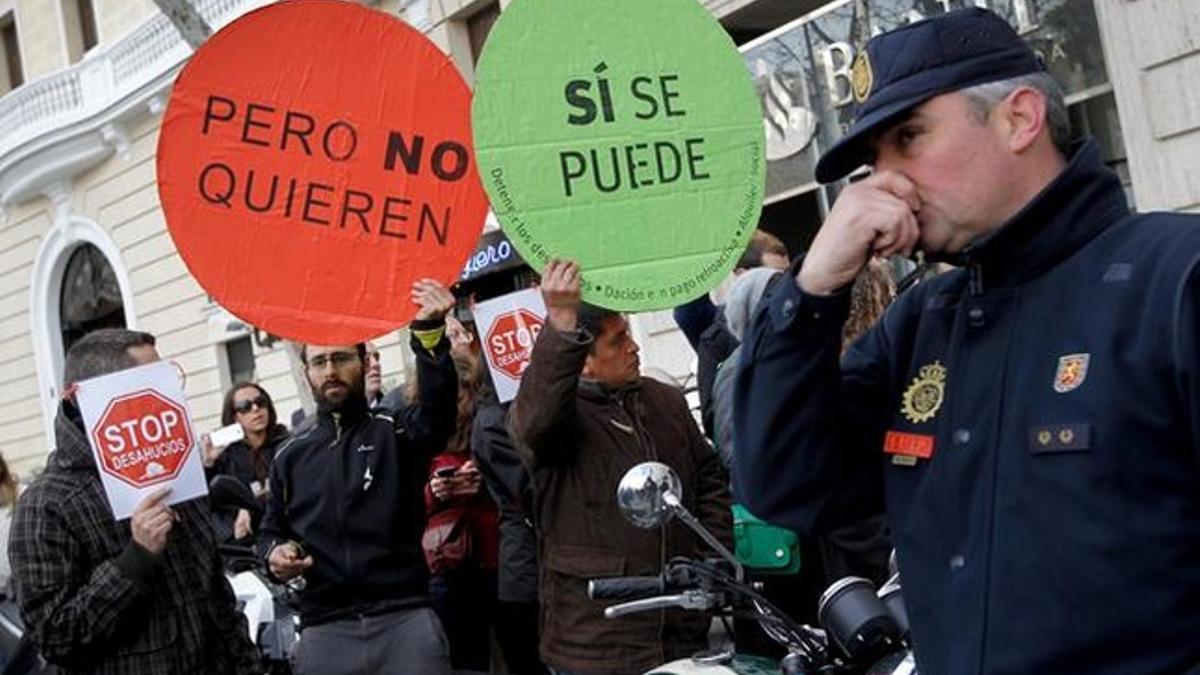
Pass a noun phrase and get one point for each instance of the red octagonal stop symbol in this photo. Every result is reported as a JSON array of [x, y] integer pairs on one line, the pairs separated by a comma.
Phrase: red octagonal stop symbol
[[144, 438], [510, 341]]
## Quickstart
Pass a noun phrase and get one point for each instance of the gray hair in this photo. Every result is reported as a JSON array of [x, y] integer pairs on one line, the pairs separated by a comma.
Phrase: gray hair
[[102, 352], [743, 298], [985, 97]]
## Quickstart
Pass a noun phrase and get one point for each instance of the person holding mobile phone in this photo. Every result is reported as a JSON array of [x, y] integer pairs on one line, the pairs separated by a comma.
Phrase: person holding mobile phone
[[249, 406], [462, 533]]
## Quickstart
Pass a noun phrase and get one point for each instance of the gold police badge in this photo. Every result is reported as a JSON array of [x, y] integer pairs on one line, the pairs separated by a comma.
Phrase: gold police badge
[[1072, 371], [924, 396], [861, 76]]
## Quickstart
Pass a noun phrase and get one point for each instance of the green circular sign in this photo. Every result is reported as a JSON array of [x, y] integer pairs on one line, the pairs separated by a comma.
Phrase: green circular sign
[[625, 135]]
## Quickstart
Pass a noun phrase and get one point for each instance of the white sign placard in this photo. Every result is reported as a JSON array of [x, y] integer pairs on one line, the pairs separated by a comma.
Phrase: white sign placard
[[140, 429], [508, 326]]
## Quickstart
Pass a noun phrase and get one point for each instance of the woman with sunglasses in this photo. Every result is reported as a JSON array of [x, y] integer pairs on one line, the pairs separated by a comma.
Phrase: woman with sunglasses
[[249, 460]]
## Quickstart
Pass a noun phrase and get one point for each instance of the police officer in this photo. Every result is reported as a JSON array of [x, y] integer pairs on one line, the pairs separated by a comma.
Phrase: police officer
[[1031, 420]]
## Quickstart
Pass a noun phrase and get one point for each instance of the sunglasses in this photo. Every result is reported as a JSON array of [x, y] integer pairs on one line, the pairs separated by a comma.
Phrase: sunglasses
[[246, 406]]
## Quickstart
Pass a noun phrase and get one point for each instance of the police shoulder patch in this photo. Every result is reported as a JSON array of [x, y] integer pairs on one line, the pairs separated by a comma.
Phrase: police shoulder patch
[[1071, 373]]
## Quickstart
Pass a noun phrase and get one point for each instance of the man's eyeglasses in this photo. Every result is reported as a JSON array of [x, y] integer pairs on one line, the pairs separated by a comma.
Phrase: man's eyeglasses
[[373, 357], [246, 406], [338, 359]]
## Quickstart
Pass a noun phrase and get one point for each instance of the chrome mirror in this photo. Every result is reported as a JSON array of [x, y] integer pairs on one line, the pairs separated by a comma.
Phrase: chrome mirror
[[649, 494]]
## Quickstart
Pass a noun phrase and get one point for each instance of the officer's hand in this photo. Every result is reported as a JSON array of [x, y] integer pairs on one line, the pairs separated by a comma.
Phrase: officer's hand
[[286, 561], [560, 290], [875, 216], [435, 301], [152, 520]]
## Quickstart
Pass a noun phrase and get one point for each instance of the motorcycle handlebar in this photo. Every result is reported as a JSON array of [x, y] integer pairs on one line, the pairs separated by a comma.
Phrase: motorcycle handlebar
[[625, 588]]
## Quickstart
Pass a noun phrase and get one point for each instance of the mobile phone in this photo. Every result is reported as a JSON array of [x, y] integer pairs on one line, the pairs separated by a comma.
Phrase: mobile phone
[[445, 472], [226, 435]]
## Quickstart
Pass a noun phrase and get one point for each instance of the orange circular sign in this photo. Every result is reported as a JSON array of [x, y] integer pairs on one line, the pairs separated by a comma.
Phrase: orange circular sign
[[314, 161]]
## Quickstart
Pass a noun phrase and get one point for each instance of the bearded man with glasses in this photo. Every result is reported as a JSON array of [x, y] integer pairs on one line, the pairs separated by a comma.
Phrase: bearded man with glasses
[[346, 508]]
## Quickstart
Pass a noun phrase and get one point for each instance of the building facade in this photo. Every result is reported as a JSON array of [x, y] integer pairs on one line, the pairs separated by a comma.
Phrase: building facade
[[83, 243]]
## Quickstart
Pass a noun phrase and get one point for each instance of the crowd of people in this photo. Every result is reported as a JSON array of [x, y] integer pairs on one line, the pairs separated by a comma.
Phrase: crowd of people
[[1030, 452]]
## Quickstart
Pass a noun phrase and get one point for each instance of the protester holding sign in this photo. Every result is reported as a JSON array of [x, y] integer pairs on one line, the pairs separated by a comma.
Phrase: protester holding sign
[[146, 596], [346, 509], [584, 416]]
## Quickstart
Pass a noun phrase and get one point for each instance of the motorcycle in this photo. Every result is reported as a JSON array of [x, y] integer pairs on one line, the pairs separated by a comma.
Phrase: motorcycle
[[18, 654], [267, 606], [863, 631]]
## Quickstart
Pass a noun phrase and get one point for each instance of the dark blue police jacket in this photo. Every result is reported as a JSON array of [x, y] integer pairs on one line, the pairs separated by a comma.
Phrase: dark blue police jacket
[[1031, 421]]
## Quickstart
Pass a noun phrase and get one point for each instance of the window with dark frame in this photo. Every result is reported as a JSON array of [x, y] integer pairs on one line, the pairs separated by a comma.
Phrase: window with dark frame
[[12, 71], [479, 25], [79, 26], [239, 354], [90, 298], [87, 23]]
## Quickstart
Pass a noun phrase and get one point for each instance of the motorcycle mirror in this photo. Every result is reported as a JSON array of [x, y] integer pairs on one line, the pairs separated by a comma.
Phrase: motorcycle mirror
[[228, 493], [648, 493]]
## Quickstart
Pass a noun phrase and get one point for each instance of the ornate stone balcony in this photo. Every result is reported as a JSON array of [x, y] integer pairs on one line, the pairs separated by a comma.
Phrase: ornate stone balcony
[[62, 124]]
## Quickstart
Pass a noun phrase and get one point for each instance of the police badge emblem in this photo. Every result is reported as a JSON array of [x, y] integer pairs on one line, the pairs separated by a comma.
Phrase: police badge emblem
[[861, 76], [1072, 371], [924, 396]]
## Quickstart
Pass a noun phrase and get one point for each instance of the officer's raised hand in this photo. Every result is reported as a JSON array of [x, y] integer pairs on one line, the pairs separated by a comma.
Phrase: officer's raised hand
[[433, 298], [560, 291], [873, 217]]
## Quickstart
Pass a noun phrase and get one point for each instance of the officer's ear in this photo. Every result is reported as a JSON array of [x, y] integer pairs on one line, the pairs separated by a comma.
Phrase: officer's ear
[[1023, 119]]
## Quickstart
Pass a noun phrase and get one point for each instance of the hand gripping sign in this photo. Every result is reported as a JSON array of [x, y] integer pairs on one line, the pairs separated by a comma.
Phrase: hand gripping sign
[[315, 159], [141, 435], [634, 147], [510, 325]]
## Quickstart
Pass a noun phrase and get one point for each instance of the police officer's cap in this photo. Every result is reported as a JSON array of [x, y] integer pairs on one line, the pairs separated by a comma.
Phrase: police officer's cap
[[902, 69]]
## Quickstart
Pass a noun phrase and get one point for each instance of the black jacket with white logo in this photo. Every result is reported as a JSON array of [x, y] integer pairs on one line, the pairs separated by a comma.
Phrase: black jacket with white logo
[[350, 491]]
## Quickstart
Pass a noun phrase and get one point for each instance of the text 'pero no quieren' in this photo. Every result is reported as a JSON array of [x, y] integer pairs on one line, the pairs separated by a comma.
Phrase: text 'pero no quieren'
[[320, 203]]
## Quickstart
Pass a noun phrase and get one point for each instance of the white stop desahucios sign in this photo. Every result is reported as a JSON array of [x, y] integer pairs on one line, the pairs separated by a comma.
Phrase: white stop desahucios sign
[[141, 435], [510, 325]]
